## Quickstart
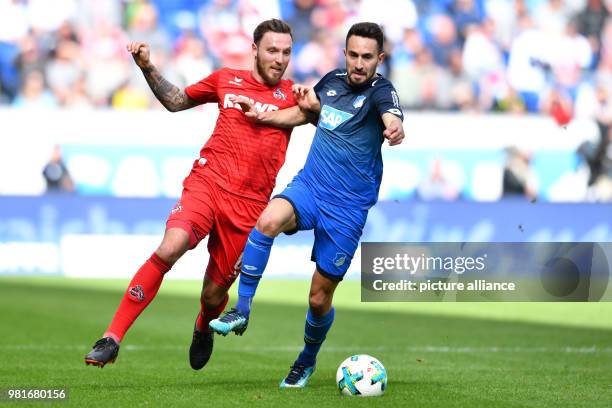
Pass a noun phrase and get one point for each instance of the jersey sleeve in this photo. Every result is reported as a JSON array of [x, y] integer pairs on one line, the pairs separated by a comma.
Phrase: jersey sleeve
[[386, 100], [205, 90]]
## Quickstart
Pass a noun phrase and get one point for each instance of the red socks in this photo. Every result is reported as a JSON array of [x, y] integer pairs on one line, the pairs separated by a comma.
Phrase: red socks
[[140, 293], [207, 315]]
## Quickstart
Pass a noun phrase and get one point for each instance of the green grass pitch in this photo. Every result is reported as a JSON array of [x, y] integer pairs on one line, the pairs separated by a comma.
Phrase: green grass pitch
[[437, 355]]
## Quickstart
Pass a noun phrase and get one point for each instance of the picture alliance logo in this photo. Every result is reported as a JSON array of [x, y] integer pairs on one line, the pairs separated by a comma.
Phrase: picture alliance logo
[[576, 272]]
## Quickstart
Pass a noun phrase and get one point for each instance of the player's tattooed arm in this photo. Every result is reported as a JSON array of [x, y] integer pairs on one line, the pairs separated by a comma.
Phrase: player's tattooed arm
[[168, 94], [394, 129]]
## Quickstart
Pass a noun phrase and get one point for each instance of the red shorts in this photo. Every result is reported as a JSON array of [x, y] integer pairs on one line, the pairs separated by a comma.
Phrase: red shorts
[[205, 208]]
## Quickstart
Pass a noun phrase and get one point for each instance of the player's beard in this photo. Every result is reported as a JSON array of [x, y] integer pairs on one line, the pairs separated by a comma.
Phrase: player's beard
[[262, 71], [367, 77]]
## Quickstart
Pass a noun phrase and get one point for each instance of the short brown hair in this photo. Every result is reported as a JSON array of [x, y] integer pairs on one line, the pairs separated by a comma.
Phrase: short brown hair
[[274, 25]]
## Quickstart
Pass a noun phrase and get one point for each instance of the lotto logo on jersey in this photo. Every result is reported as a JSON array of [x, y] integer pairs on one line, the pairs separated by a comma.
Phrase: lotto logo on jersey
[[261, 107], [331, 118]]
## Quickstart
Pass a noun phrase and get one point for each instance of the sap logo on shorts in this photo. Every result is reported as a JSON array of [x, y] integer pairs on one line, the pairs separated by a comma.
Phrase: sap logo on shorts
[[332, 118], [340, 259], [261, 107], [137, 293]]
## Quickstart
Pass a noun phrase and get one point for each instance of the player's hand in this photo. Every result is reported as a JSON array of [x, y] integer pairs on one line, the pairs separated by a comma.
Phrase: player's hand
[[252, 114], [394, 133], [140, 52], [301, 96]]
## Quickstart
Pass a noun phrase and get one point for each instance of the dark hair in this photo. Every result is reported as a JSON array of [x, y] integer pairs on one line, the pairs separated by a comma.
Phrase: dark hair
[[274, 25], [367, 30]]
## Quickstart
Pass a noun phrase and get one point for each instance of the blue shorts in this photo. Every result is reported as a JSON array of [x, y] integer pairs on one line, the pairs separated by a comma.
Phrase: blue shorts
[[337, 229]]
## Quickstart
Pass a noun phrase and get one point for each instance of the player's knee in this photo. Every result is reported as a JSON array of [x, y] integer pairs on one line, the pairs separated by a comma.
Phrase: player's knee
[[319, 303], [170, 251], [269, 224], [212, 298]]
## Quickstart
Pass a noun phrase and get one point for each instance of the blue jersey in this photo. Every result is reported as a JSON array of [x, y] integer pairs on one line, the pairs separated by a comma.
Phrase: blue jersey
[[344, 165]]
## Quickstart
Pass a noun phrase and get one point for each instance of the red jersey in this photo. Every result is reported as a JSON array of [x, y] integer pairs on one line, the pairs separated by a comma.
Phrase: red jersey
[[242, 158]]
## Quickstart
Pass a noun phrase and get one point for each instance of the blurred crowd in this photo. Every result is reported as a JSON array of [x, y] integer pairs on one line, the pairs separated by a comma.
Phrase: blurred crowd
[[551, 56], [518, 56]]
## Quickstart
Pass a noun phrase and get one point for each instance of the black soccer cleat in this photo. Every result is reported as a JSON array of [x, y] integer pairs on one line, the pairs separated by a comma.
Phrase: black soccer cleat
[[104, 352], [201, 349]]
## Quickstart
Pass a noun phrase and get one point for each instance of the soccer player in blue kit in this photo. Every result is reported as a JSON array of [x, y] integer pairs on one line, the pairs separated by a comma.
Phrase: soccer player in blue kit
[[357, 109]]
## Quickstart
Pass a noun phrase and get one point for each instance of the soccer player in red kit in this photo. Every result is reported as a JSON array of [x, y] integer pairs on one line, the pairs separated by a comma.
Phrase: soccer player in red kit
[[226, 190]]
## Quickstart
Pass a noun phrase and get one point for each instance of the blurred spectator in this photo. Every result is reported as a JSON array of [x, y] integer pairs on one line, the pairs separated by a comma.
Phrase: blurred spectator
[[590, 22], [330, 15], [395, 17], [455, 88], [527, 66], [218, 20], [519, 179], [143, 26], [56, 174], [552, 16], [598, 154], [444, 182], [192, 61], [417, 82], [33, 94], [569, 54], [107, 60], [301, 22], [317, 58], [444, 38], [64, 69], [466, 13]]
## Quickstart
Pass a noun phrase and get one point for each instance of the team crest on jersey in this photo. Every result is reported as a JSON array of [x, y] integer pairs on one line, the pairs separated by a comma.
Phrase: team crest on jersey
[[331, 118], [331, 92], [358, 102], [278, 94]]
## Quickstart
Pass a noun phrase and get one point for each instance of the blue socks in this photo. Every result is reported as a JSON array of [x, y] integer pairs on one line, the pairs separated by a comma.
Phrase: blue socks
[[254, 261], [315, 330]]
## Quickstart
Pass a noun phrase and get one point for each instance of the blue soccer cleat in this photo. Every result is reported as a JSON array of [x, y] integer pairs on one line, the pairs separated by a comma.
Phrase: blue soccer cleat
[[232, 321], [298, 376]]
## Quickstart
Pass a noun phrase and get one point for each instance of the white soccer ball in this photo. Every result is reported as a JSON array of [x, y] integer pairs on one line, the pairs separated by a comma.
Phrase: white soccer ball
[[361, 375]]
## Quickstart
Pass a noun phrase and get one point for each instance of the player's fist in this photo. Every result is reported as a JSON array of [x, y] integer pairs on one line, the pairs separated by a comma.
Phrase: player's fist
[[394, 133], [140, 52]]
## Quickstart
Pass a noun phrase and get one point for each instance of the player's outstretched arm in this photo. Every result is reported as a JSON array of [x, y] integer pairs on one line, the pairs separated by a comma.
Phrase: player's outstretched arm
[[394, 130], [173, 98], [284, 118]]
